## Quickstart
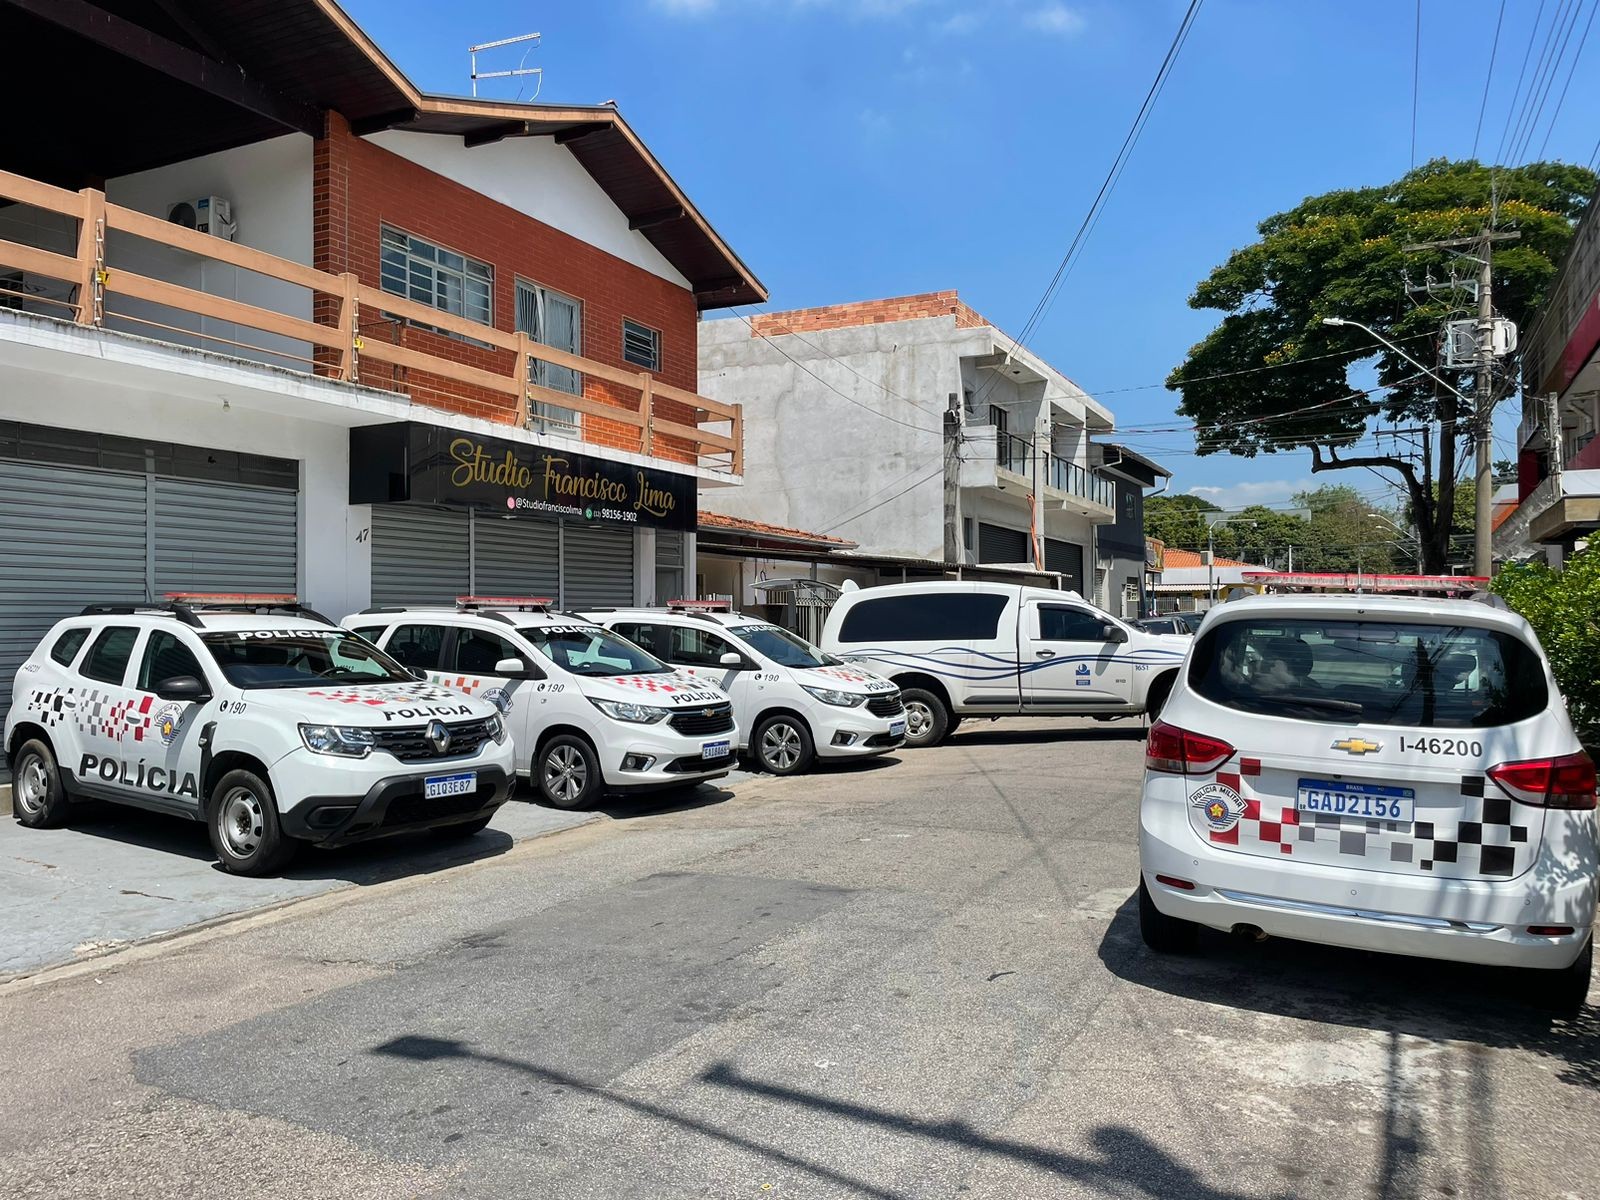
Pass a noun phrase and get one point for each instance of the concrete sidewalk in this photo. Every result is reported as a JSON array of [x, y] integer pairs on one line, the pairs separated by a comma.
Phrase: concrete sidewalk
[[119, 875]]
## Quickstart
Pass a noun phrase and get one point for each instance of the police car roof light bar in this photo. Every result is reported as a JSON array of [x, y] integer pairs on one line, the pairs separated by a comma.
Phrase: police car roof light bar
[[699, 606], [142, 606], [521, 603], [245, 602]]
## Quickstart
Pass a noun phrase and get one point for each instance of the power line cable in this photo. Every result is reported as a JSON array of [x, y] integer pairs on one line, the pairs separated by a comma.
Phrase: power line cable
[[842, 521], [1571, 71], [1488, 78], [1310, 358], [1416, 81], [1566, 21], [1538, 83], [1505, 133]]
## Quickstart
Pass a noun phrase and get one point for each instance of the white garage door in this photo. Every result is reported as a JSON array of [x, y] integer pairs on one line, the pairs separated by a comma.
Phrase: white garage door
[[421, 554]]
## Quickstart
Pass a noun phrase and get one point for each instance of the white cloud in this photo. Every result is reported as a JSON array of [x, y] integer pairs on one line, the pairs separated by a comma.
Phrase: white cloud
[[686, 8], [959, 24], [1056, 18], [1274, 492]]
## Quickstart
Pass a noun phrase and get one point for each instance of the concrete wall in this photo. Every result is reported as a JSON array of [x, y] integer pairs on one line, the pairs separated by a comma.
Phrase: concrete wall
[[269, 186], [539, 179], [843, 428]]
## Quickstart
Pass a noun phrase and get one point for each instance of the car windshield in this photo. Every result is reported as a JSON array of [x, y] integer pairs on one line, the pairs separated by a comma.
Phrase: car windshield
[[1385, 673], [292, 658], [784, 648], [591, 650]]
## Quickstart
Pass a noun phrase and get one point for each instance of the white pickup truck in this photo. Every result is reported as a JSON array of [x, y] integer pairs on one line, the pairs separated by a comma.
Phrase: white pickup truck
[[995, 649]]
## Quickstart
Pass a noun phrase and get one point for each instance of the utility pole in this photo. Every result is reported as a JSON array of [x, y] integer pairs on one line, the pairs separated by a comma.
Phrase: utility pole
[[952, 480]]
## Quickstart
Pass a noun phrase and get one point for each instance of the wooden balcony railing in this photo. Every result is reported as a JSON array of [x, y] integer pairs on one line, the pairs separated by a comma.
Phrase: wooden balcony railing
[[663, 421]]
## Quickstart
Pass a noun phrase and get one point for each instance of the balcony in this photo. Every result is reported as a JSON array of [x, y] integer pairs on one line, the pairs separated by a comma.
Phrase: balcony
[[360, 334], [1058, 478]]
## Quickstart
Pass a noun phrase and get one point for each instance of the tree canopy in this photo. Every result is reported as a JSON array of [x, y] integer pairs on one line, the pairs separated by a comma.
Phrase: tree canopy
[[1272, 377], [1330, 529]]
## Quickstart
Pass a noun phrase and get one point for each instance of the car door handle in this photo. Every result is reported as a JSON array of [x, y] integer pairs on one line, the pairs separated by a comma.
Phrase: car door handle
[[1045, 653]]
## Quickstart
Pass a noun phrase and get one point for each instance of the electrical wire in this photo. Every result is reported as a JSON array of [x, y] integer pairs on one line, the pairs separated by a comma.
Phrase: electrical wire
[[794, 333], [1416, 81], [1310, 358], [1505, 134], [1539, 83], [1488, 78], [846, 520], [1571, 70]]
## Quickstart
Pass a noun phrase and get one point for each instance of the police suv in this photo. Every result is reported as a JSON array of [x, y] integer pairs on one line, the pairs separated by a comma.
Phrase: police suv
[[794, 703], [255, 715], [589, 712], [1373, 772]]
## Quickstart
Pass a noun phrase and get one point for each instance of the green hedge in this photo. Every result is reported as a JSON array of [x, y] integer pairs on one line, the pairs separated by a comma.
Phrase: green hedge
[[1564, 609]]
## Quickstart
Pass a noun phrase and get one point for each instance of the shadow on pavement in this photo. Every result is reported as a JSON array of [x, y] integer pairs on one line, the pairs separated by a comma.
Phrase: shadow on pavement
[[1130, 729], [659, 804], [1441, 1001], [1123, 1158]]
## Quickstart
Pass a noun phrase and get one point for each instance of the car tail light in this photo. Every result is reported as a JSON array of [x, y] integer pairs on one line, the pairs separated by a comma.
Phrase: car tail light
[[1173, 881], [1550, 930], [1565, 782], [1179, 752]]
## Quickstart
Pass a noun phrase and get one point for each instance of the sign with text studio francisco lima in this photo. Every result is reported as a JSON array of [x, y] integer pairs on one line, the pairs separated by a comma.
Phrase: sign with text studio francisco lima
[[409, 461]]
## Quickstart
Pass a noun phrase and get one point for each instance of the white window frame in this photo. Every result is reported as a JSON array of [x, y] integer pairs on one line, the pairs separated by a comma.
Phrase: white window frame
[[550, 418], [655, 342], [415, 262]]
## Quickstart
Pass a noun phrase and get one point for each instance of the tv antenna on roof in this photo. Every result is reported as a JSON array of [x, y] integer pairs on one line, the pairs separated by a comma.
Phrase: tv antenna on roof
[[518, 70]]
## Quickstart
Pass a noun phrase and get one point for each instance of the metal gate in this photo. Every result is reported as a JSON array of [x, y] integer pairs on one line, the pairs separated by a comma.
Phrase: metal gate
[[597, 566], [515, 557], [220, 536], [420, 554], [1067, 558], [997, 544]]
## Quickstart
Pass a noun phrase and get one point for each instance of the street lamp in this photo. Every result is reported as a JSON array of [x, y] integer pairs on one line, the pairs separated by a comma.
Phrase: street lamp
[[1211, 553], [1432, 375], [1413, 537]]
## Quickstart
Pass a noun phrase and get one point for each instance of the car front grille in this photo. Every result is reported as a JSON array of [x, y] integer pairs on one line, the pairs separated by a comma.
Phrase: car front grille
[[886, 706], [701, 721], [409, 743], [417, 809]]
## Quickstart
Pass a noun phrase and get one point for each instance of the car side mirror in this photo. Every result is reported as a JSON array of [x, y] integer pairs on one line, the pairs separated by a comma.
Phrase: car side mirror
[[517, 668], [185, 689], [732, 659], [417, 673], [1113, 633]]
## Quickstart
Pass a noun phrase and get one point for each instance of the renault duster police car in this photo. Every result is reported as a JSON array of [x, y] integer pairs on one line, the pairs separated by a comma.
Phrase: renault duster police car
[[1381, 773], [255, 715], [589, 712], [794, 704]]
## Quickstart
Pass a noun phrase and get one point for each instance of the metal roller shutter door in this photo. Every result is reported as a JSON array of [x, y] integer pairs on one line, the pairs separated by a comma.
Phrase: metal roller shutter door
[[515, 557], [419, 554], [997, 544], [1067, 558], [72, 536], [597, 566], [225, 537]]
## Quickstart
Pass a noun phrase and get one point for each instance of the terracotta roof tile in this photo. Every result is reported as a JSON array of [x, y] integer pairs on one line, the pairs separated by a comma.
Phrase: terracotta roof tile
[[1193, 558], [711, 520]]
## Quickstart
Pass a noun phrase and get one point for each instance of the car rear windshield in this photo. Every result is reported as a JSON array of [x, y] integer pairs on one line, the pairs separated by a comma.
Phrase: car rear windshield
[[590, 650], [292, 658], [1381, 672]]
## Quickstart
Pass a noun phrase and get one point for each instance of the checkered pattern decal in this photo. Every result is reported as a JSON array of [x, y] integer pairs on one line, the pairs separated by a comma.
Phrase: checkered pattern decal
[[1487, 837], [663, 684], [377, 697], [847, 675], [90, 710]]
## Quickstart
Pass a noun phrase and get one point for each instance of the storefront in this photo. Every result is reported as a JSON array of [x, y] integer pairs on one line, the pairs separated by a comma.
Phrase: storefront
[[454, 514]]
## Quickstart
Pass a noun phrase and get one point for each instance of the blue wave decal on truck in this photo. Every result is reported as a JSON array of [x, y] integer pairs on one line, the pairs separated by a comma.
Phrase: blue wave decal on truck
[[1005, 668]]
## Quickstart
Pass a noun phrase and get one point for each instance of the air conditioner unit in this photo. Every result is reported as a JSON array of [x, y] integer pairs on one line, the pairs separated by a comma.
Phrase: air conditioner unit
[[208, 214]]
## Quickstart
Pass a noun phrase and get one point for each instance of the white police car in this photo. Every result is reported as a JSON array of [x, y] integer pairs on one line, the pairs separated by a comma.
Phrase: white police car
[[793, 703], [589, 712], [255, 715], [1381, 773]]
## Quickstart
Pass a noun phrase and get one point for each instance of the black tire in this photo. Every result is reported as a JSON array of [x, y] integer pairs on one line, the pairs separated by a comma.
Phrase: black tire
[[1564, 992], [1157, 699], [567, 773], [242, 820], [783, 745], [1164, 934], [927, 718], [38, 797], [466, 829]]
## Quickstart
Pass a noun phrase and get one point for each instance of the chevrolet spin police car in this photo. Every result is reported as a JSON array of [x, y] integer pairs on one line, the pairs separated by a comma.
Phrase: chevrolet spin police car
[[794, 704], [257, 716], [589, 712], [1381, 773]]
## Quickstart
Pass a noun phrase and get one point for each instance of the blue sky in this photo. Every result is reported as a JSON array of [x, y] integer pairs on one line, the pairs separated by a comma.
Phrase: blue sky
[[851, 149]]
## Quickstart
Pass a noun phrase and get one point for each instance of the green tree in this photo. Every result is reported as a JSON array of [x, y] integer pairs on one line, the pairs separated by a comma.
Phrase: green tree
[[1272, 377], [1177, 520], [1564, 609]]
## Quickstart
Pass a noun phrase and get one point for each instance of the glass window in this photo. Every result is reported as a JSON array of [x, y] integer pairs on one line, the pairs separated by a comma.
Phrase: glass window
[[291, 658], [693, 647], [782, 647], [165, 657], [1385, 673], [657, 639], [641, 345], [928, 617], [477, 651], [108, 657], [67, 646], [1063, 623], [419, 646], [554, 320], [590, 650], [442, 279]]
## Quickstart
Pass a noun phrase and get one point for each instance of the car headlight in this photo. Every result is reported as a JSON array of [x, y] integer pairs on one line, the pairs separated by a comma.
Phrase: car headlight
[[634, 714], [497, 729], [347, 741], [840, 699]]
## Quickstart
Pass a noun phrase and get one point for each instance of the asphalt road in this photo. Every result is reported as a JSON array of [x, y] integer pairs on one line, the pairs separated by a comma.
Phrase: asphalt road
[[922, 979]]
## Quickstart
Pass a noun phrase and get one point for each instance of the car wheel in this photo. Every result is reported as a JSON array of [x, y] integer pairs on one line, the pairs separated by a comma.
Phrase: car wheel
[[244, 827], [567, 772], [1564, 992], [38, 798], [783, 745], [466, 828], [1164, 934], [927, 717]]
